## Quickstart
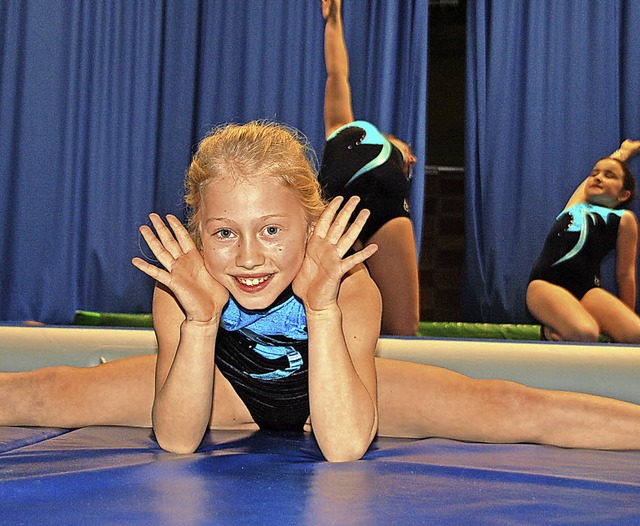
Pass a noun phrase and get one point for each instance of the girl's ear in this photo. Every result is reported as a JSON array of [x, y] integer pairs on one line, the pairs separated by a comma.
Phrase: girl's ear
[[310, 228], [624, 196], [201, 247]]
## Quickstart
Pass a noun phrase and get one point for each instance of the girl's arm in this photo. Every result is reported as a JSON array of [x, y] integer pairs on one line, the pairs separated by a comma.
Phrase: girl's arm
[[578, 195], [337, 100], [626, 255], [187, 306], [184, 375], [343, 311], [342, 377], [627, 149]]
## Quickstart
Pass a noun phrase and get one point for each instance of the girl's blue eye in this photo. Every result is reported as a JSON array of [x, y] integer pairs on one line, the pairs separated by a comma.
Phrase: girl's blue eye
[[272, 230], [224, 233]]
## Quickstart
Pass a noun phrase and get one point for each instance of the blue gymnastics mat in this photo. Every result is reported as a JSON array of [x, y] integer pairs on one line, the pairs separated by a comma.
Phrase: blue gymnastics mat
[[115, 476]]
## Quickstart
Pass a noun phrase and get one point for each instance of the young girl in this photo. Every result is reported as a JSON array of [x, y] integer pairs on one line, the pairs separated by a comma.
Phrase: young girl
[[261, 313], [359, 160], [564, 291], [266, 319]]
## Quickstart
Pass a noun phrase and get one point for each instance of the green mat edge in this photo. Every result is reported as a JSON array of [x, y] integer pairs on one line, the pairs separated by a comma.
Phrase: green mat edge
[[434, 329], [111, 319], [493, 331]]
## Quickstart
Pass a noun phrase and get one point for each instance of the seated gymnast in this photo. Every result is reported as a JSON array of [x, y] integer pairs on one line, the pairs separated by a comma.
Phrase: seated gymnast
[[265, 319], [359, 160], [564, 292]]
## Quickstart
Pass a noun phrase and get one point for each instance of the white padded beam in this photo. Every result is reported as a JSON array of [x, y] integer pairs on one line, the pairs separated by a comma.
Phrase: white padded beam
[[605, 369]]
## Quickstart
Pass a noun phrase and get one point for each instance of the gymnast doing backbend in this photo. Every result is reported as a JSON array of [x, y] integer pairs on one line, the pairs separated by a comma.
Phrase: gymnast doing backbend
[[359, 160], [265, 319], [564, 291]]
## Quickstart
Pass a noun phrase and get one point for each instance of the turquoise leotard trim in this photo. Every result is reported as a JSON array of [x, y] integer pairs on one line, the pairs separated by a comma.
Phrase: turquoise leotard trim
[[286, 319], [579, 213], [371, 136], [262, 328]]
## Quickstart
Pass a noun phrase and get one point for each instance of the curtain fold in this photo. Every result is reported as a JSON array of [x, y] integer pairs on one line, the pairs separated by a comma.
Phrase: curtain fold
[[551, 88], [103, 103]]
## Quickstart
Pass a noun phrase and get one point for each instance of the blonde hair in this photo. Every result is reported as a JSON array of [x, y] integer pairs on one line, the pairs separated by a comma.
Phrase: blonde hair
[[244, 151]]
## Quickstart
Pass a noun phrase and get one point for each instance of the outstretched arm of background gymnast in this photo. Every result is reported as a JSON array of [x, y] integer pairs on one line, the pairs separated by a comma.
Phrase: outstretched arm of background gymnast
[[338, 110], [187, 307], [627, 150]]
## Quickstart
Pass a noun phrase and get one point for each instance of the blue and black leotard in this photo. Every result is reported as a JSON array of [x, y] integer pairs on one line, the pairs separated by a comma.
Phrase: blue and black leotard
[[264, 355], [579, 239], [359, 160]]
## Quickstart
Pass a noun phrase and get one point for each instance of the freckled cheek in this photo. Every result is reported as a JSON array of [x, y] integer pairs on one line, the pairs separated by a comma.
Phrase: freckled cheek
[[297, 255], [215, 261], [290, 253]]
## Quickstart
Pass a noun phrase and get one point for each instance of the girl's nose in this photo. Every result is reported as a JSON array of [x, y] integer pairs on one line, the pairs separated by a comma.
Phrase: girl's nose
[[249, 254]]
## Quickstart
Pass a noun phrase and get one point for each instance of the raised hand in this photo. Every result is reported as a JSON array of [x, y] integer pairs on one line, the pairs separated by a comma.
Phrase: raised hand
[[330, 8], [318, 281], [627, 149], [631, 147], [200, 295]]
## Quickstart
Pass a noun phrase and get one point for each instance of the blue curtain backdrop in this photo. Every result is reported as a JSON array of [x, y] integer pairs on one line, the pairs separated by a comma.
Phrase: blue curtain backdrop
[[552, 86], [102, 105]]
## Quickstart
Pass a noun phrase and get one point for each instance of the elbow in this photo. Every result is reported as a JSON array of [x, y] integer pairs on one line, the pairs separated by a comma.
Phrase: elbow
[[346, 448], [350, 453], [179, 447], [172, 440], [176, 435]]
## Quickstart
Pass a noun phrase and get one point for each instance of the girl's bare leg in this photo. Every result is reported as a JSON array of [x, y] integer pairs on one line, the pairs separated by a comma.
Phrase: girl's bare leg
[[118, 393], [394, 268], [115, 393], [614, 317], [417, 400], [560, 311]]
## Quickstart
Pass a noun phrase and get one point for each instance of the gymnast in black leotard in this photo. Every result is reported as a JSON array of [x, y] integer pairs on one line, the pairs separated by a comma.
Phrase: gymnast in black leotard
[[564, 291], [578, 241], [359, 160]]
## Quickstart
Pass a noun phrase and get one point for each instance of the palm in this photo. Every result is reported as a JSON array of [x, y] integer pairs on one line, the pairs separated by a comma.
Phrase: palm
[[328, 6], [195, 289], [632, 147], [199, 294], [319, 277], [324, 264]]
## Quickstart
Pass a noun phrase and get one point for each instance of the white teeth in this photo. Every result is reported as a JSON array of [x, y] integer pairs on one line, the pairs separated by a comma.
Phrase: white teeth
[[252, 282]]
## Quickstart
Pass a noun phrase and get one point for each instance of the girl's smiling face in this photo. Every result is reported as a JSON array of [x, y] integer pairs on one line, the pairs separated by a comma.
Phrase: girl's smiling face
[[605, 185], [254, 236]]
